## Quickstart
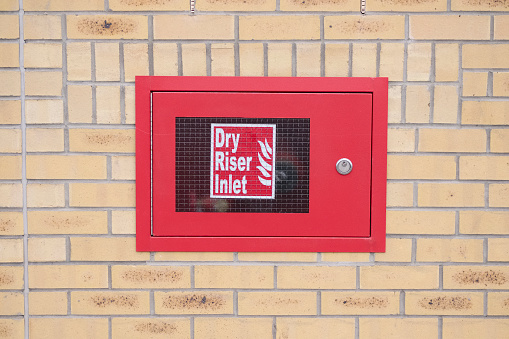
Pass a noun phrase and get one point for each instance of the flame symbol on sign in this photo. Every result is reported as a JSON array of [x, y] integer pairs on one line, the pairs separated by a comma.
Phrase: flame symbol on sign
[[265, 167]]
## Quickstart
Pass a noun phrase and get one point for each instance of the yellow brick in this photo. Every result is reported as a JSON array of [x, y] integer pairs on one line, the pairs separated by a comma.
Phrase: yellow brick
[[420, 222], [230, 328], [499, 141], [450, 195], [106, 249], [501, 27], [484, 168], [9, 55], [165, 59], [396, 250], [108, 104], [476, 277], [315, 277], [355, 303], [498, 303], [485, 113], [43, 303], [336, 60], [222, 60], [107, 27], [46, 249], [11, 223], [475, 84], [150, 5], [123, 168], [419, 62], [11, 111], [44, 111], [501, 84], [235, 5], [107, 62], [9, 26], [445, 109], [449, 250], [499, 195], [38, 55], [67, 222], [391, 328], [11, 195], [11, 277], [484, 222], [10, 167], [76, 328], [67, 276], [135, 61], [13, 328], [151, 328], [391, 61], [451, 27], [475, 328], [364, 60], [101, 140], [10, 83], [11, 250], [277, 256], [45, 140], [468, 5], [234, 277], [130, 109], [251, 59], [10, 140], [43, 83], [319, 5], [407, 6], [417, 104], [198, 302], [400, 194], [63, 5], [9, 5], [45, 195], [400, 140], [202, 27], [277, 303], [308, 60], [485, 56], [139, 276], [443, 303], [194, 256], [194, 60], [420, 167], [452, 140], [399, 277], [280, 27], [498, 249], [79, 65], [110, 302], [79, 102], [314, 328], [345, 257], [446, 62], [364, 27], [42, 27], [123, 222]]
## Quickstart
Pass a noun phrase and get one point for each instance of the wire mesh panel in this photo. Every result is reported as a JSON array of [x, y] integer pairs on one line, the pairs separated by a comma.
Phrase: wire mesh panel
[[242, 165]]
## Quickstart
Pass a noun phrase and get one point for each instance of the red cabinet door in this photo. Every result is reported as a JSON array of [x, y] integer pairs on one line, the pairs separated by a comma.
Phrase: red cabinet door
[[339, 126]]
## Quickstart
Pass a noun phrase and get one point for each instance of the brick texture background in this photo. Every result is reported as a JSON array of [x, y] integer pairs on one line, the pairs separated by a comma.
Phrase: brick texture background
[[68, 265]]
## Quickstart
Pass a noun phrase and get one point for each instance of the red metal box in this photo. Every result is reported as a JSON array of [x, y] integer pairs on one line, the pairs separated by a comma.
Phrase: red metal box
[[261, 164]]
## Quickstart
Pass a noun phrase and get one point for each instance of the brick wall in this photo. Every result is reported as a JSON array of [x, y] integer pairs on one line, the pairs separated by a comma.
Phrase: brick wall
[[68, 265]]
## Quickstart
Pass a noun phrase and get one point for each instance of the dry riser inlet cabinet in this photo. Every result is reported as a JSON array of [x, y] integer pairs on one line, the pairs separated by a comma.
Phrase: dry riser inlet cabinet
[[261, 164]]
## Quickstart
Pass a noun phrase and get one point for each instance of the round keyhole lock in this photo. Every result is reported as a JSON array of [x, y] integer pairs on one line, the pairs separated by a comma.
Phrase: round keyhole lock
[[344, 166]]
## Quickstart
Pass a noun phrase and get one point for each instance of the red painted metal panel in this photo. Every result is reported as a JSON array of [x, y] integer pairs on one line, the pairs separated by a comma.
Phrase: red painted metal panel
[[348, 119]]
